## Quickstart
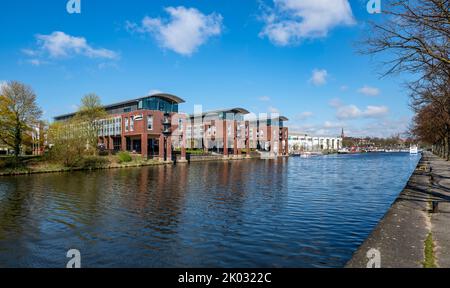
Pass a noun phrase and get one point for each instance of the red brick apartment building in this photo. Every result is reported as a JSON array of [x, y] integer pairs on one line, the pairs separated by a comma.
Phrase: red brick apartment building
[[153, 127]]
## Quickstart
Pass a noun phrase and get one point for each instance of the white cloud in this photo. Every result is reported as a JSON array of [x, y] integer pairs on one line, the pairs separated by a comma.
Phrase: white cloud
[[107, 65], [185, 31], [336, 102], [36, 62], [344, 88], [319, 77], [305, 115], [30, 52], [332, 125], [154, 91], [264, 98], [59, 44], [274, 110], [384, 128], [290, 21], [376, 111], [327, 128], [353, 112], [369, 91], [348, 112], [376, 128]]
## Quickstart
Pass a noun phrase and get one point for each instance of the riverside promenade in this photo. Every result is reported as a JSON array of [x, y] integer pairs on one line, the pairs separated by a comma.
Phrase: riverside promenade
[[415, 232]]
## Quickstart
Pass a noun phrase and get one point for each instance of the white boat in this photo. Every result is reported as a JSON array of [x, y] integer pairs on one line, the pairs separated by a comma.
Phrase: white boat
[[414, 150], [310, 154]]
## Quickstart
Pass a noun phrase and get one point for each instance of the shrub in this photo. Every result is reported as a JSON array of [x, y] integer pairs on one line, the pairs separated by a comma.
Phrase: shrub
[[93, 162], [124, 157], [103, 153], [10, 162]]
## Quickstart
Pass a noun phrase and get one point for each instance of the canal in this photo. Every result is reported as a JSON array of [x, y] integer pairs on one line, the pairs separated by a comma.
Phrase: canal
[[253, 213]]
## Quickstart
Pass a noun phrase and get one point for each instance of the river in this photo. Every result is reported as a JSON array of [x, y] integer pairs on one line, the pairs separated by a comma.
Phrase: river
[[252, 213]]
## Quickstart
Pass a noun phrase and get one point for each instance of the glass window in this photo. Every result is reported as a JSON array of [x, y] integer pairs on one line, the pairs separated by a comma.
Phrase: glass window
[[126, 124], [132, 123], [150, 122], [154, 103]]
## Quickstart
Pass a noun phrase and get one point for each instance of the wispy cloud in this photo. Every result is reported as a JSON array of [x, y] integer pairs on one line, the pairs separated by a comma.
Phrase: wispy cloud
[[335, 102], [37, 62], [30, 52], [273, 110], [183, 32], [353, 112], [59, 45], [327, 128], [107, 65], [288, 22], [305, 115], [319, 77], [154, 91], [376, 128], [369, 91], [264, 98]]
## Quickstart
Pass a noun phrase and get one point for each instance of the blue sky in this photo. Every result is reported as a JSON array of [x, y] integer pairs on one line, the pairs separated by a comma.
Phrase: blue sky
[[296, 57]]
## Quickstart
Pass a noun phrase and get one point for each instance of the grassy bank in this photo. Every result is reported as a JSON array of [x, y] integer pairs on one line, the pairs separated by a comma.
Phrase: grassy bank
[[36, 165], [39, 165]]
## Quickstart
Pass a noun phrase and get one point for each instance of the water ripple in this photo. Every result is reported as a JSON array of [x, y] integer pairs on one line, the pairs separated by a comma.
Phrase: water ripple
[[285, 213]]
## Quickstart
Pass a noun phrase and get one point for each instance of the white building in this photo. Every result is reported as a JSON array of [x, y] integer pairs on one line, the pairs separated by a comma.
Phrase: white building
[[305, 143]]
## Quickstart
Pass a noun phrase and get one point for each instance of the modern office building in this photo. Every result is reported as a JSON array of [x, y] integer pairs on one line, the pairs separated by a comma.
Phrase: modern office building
[[299, 142], [269, 134], [153, 127]]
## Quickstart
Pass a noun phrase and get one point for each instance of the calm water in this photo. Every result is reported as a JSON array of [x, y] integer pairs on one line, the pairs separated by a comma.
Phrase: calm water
[[285, 213]]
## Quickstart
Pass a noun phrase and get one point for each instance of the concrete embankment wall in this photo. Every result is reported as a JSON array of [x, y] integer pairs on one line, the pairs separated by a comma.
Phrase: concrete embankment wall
[[401, 234]]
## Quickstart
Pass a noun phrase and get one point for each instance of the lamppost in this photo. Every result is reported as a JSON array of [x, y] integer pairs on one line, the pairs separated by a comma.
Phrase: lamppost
[[166, 132]]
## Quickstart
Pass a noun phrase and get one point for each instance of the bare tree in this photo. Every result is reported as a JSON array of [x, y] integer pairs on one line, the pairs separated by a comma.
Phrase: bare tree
[[416, 34], [414, 37]]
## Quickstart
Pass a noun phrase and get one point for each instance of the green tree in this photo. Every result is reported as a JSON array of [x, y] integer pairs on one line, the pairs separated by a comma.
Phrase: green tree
[[18, 113], [90, 111], [68, 142]]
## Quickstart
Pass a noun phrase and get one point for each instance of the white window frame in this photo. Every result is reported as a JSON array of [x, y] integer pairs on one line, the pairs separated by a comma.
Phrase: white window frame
[[150, 122]]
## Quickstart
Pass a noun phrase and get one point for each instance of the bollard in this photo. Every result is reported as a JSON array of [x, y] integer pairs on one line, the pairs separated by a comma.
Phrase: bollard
[[435, 207]]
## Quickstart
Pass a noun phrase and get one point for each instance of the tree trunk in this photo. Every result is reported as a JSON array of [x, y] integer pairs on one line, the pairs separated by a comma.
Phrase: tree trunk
[[448, 146], [17, 142]]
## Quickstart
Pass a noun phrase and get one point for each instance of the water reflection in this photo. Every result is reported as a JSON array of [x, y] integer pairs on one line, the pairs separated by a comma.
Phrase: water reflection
[[284, 213]]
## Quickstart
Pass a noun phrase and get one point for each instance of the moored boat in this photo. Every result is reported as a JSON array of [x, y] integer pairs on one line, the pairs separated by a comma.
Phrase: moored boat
[[414, 150]]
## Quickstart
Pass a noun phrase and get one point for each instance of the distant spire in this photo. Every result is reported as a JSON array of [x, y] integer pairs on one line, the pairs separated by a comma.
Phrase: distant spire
[[342, 134]]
